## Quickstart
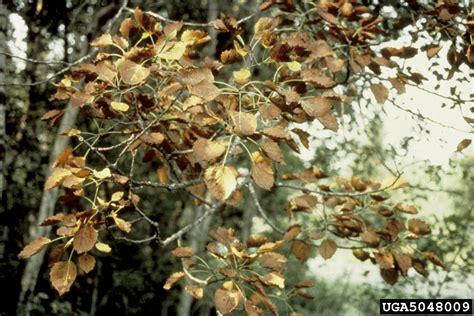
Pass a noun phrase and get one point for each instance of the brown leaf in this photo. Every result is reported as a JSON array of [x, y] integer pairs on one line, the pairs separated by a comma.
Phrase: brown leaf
[[316, 235], [409, 209], [389, 275], [385, 259], [221, 181], [85, 239], [317, 106], [301, 250], [206, 150], [34, 247], [292, 232], [327, 249], [86, 263], [403, 262], [245, 123], [205, 89], [398, 84], [272, 150], [317, 78], [274, 279], [418, 227], [133, 73], [52, 220], [102, 41], [181, 252], [434, 259], [330, 122], [62, 276], [173, 279], [370, 238], [432, 50], [380, 92], [262, 171], [463, 144], [194, 290], [56, 178], [273, 260], [226, 301]]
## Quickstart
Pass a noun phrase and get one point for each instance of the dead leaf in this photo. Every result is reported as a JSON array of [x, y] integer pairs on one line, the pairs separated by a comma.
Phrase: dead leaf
[[194, 290], [226, 301], [206, 150], [62, 276], [221, 181], [86, 263], [301, 250], [262, 171], [34, 247], [380, 92], [182, 252], [317, 106], [85, 239], [173, 279], [272, 150], [133, 73], [463, 144], [245, 123], [56, 178], [327, 249], [418, 227]]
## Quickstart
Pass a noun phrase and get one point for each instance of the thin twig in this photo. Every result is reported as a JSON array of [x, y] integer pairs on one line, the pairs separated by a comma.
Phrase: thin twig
[[261, 211]]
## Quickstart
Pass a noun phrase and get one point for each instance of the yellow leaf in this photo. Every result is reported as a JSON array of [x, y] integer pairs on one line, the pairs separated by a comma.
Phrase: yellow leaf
[[294, 65], [175, 53], [241, 77], [103, 247], [119, 106], [205, 150], [173, 279], [194, 37], [105, 173]]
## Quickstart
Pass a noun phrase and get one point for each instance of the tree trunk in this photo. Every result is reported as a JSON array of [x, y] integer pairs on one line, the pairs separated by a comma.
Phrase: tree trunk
[[48, 201]]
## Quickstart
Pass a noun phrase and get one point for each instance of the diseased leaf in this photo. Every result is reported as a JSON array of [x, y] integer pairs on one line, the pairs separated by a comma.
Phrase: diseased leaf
[[86, 263], [434, 259], [206, 150], [133, 73], [85, 239], [330, 122], [463, 144], [226, 301], [409, 209], [389, 275], [292, 232], [62, 276], [221, 181], [317, 78], [34, 247], [327, 249], [182, 252], [380, 92]]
